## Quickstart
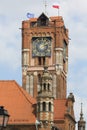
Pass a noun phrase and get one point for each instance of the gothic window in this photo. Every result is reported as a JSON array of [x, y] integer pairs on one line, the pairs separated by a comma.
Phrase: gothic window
[[44, 86], [49, 106], [48, 86], [44, 106], [44, 59], [64, 49], [41, 60], [39, 78], [38, 106], [39, 82]]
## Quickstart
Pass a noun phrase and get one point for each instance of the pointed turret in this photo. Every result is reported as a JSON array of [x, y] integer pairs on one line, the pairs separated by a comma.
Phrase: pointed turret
[[81, 122]]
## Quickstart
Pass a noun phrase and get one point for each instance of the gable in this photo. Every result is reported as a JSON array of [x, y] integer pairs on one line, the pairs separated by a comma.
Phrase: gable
[[42, 20]]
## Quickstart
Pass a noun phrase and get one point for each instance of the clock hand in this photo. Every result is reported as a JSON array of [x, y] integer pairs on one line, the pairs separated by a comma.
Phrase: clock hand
[[42, 46]]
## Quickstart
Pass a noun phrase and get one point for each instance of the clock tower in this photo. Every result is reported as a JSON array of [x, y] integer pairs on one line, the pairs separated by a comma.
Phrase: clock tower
[[45, 42]]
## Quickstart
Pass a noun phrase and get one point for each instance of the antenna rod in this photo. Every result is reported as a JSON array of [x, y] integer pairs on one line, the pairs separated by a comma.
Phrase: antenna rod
[[45, 6]]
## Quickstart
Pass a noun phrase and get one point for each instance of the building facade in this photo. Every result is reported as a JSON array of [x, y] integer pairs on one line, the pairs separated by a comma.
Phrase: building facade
[[45, 44]]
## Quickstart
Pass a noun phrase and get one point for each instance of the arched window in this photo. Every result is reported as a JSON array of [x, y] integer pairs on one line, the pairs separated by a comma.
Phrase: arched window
[[38, 107], [48, 86], [44, 86], [49, 106], [44, 106]]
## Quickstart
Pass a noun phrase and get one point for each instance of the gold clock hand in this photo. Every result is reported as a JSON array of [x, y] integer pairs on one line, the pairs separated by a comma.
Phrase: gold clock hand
[[42, 46]]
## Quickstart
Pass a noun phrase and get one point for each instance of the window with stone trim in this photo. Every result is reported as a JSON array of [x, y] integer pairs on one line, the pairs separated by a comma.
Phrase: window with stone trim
[[44, 86], [44, 106], [38, 107], [48, 86], [41, 60], [50, 108]]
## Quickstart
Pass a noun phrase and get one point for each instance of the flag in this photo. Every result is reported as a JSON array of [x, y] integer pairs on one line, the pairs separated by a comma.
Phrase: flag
[[56, 5], [30, 15]]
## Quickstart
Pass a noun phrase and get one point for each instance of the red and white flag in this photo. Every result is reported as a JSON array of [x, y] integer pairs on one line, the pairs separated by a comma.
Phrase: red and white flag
[[56, 5]]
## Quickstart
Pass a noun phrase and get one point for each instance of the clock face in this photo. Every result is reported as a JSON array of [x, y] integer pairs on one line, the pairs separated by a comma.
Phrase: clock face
[[41, 46]]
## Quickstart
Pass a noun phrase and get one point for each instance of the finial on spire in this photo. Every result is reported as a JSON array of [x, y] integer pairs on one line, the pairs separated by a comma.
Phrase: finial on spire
[[45, 5], [81, 114]]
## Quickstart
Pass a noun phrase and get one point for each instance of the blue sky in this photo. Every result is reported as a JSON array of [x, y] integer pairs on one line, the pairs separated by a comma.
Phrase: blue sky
[[74, 12]]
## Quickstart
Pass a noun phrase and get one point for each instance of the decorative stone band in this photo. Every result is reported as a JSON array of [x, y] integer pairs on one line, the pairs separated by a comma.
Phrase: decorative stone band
[[25, 50], [58, 49]]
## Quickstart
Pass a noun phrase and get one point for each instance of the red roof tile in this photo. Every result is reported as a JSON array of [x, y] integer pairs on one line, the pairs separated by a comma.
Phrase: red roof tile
[[59, 108], [18, 103]]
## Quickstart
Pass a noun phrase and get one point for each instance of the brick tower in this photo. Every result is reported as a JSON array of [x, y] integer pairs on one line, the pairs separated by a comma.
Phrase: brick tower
[[44, 42]]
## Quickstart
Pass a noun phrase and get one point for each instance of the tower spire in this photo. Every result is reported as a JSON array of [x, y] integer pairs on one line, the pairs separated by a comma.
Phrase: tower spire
[[81, 114], [81, 122], [45, 5]]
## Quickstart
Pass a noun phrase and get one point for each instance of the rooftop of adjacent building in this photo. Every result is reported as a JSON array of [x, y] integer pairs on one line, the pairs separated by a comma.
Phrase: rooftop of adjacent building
[[21, 106], [18, 103]]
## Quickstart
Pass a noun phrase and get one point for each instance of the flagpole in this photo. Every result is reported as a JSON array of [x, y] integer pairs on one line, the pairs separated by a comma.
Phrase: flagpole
[[58, 12], [57, 7]]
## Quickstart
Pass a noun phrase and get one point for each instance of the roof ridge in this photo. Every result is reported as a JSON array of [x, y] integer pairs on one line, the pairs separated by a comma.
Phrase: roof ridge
[[7, 80], [22, 91]]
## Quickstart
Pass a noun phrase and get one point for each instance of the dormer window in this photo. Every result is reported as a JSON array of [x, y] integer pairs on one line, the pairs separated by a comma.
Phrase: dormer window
[[42, 20]]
